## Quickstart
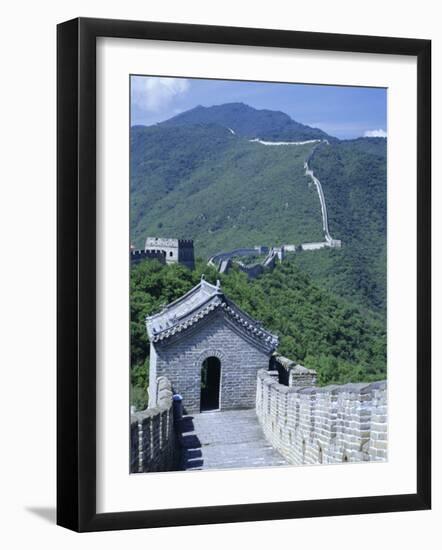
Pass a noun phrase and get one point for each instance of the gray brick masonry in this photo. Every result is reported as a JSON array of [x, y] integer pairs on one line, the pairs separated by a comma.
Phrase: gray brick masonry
[[153, 440], [270, 410], [324, 425], [182, 360]]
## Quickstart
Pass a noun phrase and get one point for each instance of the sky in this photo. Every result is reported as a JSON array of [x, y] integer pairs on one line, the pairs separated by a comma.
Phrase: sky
[[343, 112]]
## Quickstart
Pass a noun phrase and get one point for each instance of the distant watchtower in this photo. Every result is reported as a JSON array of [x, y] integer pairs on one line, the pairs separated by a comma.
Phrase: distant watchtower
[[177, 251]]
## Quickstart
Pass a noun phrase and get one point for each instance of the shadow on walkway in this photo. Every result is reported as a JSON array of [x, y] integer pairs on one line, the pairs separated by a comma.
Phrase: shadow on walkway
[[225, 439], [191, 453]]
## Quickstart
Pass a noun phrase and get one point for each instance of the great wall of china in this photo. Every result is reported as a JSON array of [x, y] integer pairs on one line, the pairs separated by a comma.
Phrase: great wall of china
[[223, 261], [303, 423], [332, 424], [293, 421], [221, 396], [166, 250], [153, 441]]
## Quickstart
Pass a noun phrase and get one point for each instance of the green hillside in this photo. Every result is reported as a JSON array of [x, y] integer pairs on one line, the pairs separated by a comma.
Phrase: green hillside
[[353, 175], [204, 183], [315, 327], [192, 178]]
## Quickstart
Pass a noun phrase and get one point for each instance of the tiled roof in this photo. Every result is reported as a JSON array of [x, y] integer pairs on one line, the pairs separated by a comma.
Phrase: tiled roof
[[197, 304]]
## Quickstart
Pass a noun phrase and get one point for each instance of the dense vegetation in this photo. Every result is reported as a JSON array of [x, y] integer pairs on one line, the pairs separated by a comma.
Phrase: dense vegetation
[[203, 182], [248, 122], [354, 180], [222, 191], [315, 327], [191, 177]]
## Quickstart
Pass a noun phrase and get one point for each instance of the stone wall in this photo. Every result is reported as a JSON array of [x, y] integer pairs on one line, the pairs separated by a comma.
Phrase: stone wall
[[186, 255], [137, 256], [175, 250], [252, 271], [292, 374], [182, 360], [153, 442], [310, 425]]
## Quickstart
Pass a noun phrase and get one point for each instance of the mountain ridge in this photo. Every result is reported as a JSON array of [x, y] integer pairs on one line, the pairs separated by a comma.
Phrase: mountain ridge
[[191, 177], [248, 122], [203, 183]]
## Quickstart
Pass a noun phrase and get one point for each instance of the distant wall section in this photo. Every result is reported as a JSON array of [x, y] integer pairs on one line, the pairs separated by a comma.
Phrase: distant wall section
[[175, 250], [137, 256]]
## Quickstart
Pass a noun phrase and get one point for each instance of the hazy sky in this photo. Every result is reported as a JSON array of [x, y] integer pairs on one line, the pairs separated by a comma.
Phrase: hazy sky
[[344, 112]]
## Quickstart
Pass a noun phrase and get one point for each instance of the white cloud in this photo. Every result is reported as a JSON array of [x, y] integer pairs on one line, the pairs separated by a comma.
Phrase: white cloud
[[154, 93], [375, 133]]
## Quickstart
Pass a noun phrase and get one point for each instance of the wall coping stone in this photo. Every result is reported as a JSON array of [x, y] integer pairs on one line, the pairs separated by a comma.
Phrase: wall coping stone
[[351, 387]]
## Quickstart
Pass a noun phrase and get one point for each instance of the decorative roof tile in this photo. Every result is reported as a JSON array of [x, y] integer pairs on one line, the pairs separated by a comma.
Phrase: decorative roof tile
[[194, 306]]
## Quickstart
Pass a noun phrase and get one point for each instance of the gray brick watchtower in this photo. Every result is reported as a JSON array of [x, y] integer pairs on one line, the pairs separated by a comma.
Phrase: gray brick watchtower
[[209, 349], [175, 250]]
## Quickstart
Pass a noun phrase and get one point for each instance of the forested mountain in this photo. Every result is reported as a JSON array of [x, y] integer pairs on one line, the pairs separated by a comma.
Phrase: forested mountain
[[223, 191], [199, 176], [248, 122], [315, 327], [191, 177], [354, 180]]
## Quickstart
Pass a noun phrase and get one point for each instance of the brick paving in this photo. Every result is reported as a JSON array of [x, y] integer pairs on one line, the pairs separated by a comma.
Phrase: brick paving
[[227, 439]]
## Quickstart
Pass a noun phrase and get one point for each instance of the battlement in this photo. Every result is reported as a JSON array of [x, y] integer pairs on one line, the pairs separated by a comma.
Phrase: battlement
[[332, 424], [139, 255], [160, 241], [185, 242], [152, 434], [291, 373], [175, 250], [163, 241]]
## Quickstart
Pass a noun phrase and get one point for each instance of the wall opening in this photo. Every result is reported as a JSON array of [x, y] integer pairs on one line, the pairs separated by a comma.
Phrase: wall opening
[[210, 384], [320, 455]]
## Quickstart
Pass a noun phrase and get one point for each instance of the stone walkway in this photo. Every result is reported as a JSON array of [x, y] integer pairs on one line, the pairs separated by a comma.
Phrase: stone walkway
[[228, 439]]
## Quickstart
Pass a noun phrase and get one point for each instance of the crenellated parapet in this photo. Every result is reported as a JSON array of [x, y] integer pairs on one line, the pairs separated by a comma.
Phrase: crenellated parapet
[[175, 250], [152, 432], [291, 373], [332, 424], [140, 255]]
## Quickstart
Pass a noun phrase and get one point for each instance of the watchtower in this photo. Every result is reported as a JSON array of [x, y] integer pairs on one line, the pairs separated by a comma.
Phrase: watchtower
[[177, 251], [209, 349]]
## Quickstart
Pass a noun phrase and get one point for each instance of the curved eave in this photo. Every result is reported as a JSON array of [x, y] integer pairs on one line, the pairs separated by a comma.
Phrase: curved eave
[[212, 290], [261, 338], [250, 324], [185, 323], [173, 315]]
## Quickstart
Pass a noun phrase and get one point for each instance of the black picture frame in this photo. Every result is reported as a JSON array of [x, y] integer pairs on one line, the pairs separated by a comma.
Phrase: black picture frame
[[76, 274]]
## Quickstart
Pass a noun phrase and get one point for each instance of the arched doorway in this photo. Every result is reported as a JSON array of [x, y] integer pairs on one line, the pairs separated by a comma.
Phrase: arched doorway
[[210, 384]]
